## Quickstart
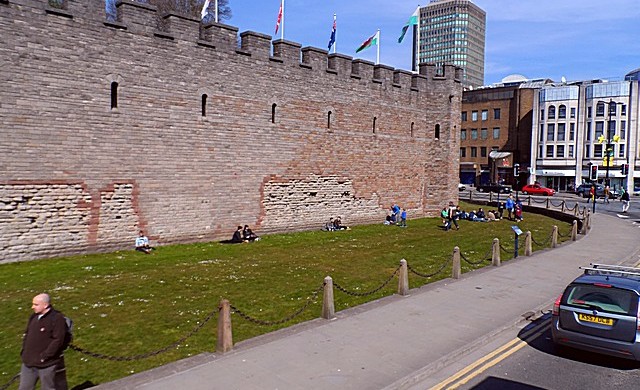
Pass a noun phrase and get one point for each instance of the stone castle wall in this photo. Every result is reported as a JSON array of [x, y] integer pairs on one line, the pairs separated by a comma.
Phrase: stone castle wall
[[162, 124]]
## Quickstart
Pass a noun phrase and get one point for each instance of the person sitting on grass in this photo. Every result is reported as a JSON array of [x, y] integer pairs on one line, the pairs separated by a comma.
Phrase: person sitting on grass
[[337, 224], [237, 236], [249, 235], [329, 227], [142, 243]]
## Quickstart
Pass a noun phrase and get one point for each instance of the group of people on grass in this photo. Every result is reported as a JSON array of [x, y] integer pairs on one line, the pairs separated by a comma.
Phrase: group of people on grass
[[334, 224], [396, 216], [244, 234], [452, 214]]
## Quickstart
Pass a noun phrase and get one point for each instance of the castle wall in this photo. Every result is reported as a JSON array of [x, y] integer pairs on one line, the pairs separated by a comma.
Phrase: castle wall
[[287, 138]]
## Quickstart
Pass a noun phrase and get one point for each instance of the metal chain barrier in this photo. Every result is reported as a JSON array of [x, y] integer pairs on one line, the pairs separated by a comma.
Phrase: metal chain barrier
[[148, 354], [6, 385], [482, 260], [539, 202], [282, 321], [562, 235], [505, 250], [573, 208], [542, 244], [444, 264], [355, 294], [552, 204]]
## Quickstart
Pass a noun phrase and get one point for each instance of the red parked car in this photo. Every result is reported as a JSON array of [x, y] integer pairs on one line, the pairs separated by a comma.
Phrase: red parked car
[[537, 189]]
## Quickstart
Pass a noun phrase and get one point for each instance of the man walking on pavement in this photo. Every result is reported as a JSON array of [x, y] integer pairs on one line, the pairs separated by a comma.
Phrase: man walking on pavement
[[625, 201], [42, 347]]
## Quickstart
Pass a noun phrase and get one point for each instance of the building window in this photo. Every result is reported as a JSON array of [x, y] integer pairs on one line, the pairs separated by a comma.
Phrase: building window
[[437, 132], [621, 151], [588, 112], [496, 132], [463, 152], [560, 151], [375, 119], [474, 116], [561, 131], [204, 105], [612, 129], [273, 113], [623, 109], [587, 151], [552, 112], [464, 116], [474, 133], [412, 124], [485, 115], [573, 112], [540, 151], [549, 150], [496, 113], [463, 134], [599, 130], [600, 109], [572, 131], [588, 131], [551, 132], [623, 129], [542, 114], [329, 122], [114, 95], [570, 151], [562, 111], [483, 151], [474, 151], [541, 134], [613, 109], [484, 133], [597, 150]]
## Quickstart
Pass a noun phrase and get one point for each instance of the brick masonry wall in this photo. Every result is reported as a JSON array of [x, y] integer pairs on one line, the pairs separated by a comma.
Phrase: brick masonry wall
[[156, 164]]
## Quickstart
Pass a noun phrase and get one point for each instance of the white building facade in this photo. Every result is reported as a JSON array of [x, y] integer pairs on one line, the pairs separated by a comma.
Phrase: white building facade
[[577, 125]]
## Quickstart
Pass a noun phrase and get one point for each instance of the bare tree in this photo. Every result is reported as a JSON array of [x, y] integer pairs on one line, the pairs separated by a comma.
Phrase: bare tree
[[185, 7]]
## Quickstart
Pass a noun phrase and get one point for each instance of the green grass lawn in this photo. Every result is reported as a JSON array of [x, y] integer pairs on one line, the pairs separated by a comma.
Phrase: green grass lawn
[[128, 303]]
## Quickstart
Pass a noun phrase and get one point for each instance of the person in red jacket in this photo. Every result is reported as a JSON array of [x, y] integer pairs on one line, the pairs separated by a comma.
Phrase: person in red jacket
[[43, 347]]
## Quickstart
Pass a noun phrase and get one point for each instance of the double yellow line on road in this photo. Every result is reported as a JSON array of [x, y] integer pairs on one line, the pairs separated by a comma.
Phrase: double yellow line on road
[[479, 366]]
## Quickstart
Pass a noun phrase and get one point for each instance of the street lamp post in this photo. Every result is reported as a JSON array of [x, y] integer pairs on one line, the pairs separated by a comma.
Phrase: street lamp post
[[608, 153]]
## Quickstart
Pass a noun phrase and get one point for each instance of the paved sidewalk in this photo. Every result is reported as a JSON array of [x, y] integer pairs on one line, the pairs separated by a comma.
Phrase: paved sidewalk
[[397, 341]]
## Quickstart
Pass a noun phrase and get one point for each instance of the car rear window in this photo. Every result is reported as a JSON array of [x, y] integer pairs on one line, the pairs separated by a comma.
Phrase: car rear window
[[605, 299]]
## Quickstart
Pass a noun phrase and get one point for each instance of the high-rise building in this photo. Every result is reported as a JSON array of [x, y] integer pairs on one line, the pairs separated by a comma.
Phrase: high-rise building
[[453, 32]]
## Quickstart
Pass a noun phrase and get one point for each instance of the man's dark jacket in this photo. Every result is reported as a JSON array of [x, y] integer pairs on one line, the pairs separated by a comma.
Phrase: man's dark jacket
[[43, 342]]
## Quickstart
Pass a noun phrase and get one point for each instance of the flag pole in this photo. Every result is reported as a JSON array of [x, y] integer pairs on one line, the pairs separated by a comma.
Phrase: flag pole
[[216, 19], [282, 31], [378, 51], [335, 42]]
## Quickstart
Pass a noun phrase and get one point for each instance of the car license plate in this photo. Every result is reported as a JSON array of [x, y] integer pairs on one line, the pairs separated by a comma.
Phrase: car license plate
[[595, 319]]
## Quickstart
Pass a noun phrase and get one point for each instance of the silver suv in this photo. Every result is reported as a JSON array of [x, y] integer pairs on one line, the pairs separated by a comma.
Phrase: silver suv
[[599, 312]]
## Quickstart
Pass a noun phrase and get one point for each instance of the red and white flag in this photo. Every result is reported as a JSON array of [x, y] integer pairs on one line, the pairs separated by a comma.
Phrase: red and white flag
[[279, 17]]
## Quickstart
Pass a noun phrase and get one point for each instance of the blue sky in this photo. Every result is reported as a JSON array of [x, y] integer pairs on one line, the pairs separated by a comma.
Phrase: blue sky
[[577, 39]]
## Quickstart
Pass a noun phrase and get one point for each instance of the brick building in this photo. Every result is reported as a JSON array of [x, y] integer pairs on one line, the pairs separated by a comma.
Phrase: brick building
[[159, 123], [496, 132]]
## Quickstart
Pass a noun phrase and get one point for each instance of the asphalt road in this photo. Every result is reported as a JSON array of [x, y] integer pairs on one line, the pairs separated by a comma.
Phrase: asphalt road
[[540, 365]]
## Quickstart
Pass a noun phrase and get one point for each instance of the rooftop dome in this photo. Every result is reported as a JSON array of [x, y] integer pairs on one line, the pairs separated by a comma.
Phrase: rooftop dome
[[514, 78]]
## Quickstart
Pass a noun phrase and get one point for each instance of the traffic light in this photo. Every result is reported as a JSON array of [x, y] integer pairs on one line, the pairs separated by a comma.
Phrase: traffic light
[[624, 169], [593, 174]]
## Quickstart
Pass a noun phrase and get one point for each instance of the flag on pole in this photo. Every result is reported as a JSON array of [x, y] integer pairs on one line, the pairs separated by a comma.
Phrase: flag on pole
[[279, 18], [372, 40], [332, 40], [205, 9], [413, 21]]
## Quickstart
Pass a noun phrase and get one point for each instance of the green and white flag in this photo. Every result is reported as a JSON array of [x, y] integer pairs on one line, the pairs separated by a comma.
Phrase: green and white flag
[[413, 21]]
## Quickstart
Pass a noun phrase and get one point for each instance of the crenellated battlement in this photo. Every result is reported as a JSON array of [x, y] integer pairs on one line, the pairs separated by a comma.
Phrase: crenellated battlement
[[144, 19], [161, 123]]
